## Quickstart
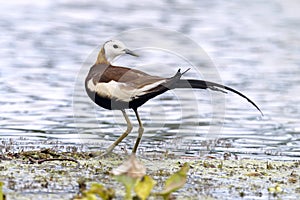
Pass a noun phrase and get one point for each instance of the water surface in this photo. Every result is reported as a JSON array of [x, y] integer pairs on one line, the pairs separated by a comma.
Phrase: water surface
[[255, 46]]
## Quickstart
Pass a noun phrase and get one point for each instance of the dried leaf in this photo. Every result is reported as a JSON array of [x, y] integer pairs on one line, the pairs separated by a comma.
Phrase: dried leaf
[[254, 174], [132, 168], [129, 173]]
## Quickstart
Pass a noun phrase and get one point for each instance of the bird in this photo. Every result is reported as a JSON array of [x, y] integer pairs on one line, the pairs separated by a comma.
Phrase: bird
[[122, 88]]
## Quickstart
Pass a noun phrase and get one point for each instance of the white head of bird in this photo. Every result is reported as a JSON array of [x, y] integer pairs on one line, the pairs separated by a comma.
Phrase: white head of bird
[[114, 48]]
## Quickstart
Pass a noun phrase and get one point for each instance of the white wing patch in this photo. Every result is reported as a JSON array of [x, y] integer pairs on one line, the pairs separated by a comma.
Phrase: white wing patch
[[120, 91]]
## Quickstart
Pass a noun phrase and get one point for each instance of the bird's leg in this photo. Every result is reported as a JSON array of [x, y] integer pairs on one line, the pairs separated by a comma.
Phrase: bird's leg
[[124, 135], [140, 131]]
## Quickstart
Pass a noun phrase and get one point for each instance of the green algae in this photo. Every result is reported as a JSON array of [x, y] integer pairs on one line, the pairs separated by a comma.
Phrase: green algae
[[208, 177]]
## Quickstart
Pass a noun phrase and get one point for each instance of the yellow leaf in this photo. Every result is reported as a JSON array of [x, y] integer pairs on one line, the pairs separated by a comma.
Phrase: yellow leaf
[[144, 187], [90, 196], [278, 189], [175, 181], [96, 188], [1, 192], [104, 193], [271, 190]]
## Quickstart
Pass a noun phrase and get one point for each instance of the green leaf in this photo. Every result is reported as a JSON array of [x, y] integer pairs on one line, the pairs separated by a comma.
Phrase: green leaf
[[144, 187], [175, 181], [128, 182]]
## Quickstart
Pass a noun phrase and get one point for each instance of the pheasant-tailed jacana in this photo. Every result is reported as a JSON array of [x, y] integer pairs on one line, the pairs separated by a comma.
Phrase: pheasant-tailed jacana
[[119, 88]]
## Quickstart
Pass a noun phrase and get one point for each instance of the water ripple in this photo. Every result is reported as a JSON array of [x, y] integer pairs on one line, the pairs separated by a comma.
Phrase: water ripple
[[42, 51]]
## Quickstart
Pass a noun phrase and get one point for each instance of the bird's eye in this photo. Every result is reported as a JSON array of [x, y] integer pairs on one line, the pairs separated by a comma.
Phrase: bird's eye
[[115, 46]]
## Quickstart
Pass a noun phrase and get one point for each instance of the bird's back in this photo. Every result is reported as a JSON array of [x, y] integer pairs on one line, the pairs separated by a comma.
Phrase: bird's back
[[107, 84]]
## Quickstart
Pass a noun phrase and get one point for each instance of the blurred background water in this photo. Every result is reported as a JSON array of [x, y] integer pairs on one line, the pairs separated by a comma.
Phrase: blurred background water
[[255, 46]]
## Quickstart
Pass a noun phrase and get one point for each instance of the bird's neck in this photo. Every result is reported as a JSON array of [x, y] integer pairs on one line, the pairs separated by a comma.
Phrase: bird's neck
[[101, 59]]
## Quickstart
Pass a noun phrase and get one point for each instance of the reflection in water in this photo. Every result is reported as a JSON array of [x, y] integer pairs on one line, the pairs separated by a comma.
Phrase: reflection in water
[[254, 45]]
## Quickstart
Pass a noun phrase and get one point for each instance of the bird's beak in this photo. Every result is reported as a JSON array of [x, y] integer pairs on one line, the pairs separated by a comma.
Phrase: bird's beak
[[127, 51]]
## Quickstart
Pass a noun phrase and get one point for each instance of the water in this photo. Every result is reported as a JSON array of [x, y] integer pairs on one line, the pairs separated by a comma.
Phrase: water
[[255, 46]]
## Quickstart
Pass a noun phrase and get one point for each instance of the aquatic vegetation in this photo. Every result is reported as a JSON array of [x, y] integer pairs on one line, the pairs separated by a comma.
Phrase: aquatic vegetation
[[176, 181], [132, 175], [144, 186], [129, 174], [95, 190], [1, 192], [209, 177]]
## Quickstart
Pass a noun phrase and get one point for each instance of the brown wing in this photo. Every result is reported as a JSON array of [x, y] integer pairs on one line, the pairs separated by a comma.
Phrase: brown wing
[[120, 83], [134, 78]]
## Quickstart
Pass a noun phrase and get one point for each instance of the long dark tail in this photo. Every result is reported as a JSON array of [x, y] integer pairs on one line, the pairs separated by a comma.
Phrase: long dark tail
[[200, 84]]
